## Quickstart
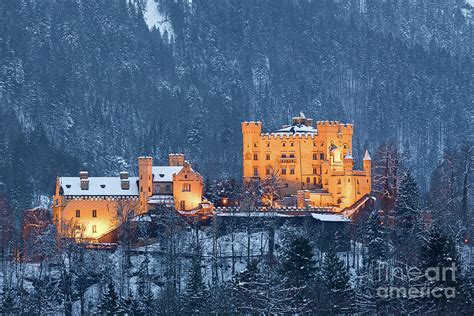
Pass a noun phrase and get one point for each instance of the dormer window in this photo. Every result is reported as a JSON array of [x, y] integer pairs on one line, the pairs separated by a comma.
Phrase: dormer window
[[162, 175], [102, 186], [68, 186]]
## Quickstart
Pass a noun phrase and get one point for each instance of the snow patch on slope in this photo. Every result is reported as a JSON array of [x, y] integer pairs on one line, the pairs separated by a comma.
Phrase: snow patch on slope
[[155, 18]]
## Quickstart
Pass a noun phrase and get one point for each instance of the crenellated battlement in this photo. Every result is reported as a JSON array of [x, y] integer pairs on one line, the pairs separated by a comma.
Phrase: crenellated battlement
[[334, 127], [252, 127], [282, 136]]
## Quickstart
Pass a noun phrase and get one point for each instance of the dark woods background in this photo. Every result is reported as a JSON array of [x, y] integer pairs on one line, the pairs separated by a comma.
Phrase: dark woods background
[[86, 84]]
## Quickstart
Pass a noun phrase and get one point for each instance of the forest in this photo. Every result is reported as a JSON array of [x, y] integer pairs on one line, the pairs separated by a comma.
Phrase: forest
[[91, 85], [88, 85]]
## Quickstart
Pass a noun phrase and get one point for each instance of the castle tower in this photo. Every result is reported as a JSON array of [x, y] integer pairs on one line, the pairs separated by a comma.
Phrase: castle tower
[[145, 174], [348, 162], [251, 145], [367, 163], [176, 160]]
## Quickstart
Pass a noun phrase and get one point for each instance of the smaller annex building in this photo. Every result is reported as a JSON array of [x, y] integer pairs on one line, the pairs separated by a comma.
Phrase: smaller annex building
[[91, 208]]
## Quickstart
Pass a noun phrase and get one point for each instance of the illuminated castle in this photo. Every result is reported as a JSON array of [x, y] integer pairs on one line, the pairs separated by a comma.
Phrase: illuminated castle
[[89, 208], [314, 163]]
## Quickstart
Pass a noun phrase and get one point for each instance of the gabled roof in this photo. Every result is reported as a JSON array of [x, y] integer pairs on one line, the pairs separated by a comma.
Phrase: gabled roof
[[165, 173], [98, 186]]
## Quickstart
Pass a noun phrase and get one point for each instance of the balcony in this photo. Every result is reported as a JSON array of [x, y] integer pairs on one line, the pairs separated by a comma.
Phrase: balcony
[[288, 160]]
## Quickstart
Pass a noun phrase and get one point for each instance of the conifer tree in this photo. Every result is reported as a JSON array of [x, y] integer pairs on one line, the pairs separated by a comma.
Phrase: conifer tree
[[9, 304], [299, 270], [109, 301], [439, 260], [338, 294], [195, 296], [407, 219], [243, 287], [145, 299], [376, 238]]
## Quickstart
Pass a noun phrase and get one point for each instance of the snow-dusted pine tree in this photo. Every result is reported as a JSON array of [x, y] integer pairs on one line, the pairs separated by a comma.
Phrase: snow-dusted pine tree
[[338, 294]]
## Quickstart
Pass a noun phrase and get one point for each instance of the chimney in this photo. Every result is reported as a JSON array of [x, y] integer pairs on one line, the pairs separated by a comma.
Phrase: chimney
[[124, 182], [84, 177], [176, 159]]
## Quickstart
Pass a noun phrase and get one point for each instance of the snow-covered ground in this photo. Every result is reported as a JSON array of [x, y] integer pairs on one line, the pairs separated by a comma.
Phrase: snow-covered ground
[[155, 18]]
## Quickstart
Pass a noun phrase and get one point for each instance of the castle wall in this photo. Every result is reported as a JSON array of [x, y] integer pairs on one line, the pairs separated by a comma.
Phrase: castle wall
[[187, 189], [86, 225], [306, 161]]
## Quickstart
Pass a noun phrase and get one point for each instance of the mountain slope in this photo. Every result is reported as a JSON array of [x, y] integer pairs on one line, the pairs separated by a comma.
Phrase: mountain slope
[[104, 88]]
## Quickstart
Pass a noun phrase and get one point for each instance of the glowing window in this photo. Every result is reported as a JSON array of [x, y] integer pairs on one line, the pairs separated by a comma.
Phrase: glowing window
[[94, 228]]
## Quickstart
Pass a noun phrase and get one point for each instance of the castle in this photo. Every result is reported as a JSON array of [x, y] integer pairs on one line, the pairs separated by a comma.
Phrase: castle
[[314, 163], [91, 208]]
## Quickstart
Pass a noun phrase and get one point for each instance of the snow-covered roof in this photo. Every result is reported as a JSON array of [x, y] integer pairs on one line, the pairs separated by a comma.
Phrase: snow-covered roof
[[98, 186], [330, 217], [296, 129], [165, 173], [348, 155], [142, 218], [161, 199]]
